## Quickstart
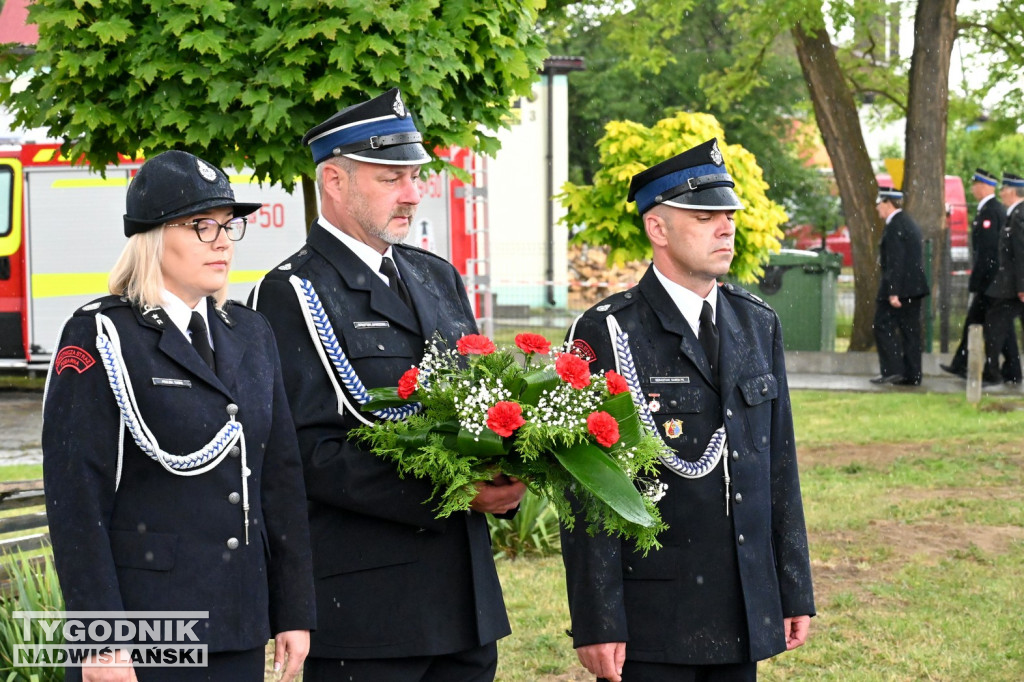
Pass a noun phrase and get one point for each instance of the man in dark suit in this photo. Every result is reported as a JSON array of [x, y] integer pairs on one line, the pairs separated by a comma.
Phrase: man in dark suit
[[988, 223], [732, 583], [402, 595], [1006, 292], [901, 289]]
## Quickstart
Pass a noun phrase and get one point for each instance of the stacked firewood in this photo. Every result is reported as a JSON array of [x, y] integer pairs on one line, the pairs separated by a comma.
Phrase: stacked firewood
[[591, 279]]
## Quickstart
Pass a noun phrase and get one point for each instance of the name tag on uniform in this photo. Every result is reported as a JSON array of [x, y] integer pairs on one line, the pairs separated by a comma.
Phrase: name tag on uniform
[[670, 380], [372, 324], [175, 383]]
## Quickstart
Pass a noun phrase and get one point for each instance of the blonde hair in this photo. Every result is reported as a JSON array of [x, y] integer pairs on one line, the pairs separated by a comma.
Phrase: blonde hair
[[137, 274]]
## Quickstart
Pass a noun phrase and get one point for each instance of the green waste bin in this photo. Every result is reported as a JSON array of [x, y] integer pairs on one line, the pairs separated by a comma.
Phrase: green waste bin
[[801, 287]]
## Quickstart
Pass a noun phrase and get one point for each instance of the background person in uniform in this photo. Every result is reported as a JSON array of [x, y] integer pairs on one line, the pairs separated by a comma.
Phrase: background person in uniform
[[401, 595], [1006, 292], [988, 223], [901, 288], [732, 583], [129, 530]]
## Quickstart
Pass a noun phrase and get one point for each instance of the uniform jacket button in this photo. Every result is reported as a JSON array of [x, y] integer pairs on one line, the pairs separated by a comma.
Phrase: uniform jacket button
[[234, 498], [673, 403], [235, 451], [738, 498], [629, 569], [764, 389], [735, 455], [233, 543], [728, 414], [739, 540], [380, 346]]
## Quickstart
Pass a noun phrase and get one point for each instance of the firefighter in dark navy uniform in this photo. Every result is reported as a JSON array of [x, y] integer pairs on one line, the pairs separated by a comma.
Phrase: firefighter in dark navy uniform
[[731, 584], [902, 287], [1006, 292], [401, 595], [172, 472], [988, 224]]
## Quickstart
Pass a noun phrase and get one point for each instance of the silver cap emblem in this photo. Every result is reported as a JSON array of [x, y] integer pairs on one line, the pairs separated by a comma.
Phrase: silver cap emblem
[[208, 173], [399, 106], [716, 154]]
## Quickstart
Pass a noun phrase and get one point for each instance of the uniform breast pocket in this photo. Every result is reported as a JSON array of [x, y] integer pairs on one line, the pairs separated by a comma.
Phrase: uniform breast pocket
[[758, 393]]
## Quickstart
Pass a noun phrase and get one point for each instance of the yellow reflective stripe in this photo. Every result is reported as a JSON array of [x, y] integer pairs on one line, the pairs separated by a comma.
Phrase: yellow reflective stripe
[[69, 284], [90, 182], [10, 243], [95, 283]]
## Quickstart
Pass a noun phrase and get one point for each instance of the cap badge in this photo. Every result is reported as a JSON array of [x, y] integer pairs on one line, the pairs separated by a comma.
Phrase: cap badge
[[399, 106], [208, 173], [716, 154]]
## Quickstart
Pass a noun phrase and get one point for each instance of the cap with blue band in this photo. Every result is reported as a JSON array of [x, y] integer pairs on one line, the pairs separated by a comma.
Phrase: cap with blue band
[[983, 176], [380, 130], [1011, 180], [695, 179]]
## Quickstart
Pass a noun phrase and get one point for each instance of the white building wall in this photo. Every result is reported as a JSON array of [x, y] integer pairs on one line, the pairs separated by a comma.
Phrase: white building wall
[[517, 201]]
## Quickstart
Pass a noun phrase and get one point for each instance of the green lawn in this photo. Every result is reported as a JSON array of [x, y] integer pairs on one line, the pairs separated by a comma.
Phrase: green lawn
[[916, 523]]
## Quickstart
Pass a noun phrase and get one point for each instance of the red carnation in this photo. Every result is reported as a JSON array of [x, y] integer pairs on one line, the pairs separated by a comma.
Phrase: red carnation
[[616, 384], [506, 416], [573, 370], [475, 344], [604, 428], [408, 384], [532, 343]]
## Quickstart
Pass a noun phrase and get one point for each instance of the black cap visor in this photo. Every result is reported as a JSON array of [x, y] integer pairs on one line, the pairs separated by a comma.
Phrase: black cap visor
[[399, 155], [714, 198]]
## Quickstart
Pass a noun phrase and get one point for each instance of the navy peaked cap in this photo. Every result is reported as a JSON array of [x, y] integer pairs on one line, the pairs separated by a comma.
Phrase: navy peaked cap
[[379, 130], [695, 179]]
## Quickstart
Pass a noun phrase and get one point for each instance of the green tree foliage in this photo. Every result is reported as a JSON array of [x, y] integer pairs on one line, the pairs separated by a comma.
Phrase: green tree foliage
[[240, 82], [628, 148], [646, 62]]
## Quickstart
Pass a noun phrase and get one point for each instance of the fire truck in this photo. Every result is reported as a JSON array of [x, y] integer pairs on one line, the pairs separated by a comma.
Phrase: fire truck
[[61, 231]]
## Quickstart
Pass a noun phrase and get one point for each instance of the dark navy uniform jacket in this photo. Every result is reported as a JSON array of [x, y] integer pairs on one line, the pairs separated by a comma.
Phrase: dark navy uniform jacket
[[901, 260], [167, 542], [985, 229], [391, 580], [719, 588], [1009, 278]]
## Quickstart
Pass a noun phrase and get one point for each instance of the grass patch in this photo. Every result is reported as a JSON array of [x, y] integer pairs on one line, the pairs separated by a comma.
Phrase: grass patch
[[916, 525], [21, 472]]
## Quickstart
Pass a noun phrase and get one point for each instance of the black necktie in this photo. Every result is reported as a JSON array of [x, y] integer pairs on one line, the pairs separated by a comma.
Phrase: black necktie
[[388, 269], [201, 339], [709, 338]]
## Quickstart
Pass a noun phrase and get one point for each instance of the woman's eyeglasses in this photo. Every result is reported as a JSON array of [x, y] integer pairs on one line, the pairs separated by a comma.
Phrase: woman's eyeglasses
[[208, 229]]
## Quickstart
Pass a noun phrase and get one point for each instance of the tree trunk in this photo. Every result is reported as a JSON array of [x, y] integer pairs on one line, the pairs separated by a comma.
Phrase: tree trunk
[[839, 123], [309, 200], [928, 103]]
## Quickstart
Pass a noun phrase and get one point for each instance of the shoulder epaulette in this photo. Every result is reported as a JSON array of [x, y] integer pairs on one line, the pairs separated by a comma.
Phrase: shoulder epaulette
[[292, 263], [614, 303], [103, 303], [740, 292]]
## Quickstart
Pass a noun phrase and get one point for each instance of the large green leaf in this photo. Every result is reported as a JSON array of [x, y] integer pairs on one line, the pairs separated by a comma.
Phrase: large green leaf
[[385, 396], [596, 471], [487, 444]]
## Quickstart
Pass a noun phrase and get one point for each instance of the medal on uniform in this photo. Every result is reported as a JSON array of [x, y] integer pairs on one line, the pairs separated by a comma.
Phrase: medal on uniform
[[654, 405], [673, 428]]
